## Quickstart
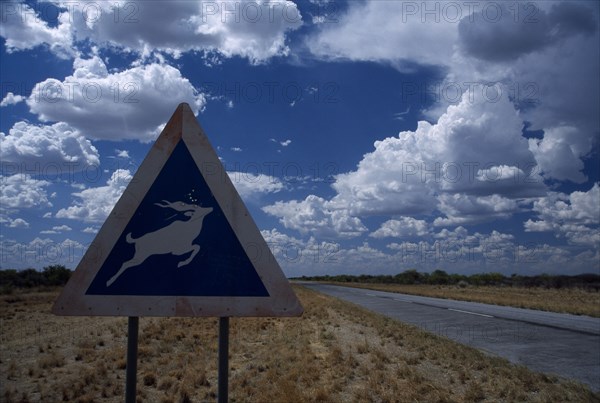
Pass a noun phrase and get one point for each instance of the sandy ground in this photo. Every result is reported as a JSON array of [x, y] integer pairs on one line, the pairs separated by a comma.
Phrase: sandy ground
[[335, 352]]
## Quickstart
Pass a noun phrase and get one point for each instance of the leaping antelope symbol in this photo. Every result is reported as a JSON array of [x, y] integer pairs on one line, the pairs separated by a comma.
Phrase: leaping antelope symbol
[[176, 238]]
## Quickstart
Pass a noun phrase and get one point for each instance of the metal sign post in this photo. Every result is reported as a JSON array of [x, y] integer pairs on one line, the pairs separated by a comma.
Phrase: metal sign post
[[132, 349], [223, 359]]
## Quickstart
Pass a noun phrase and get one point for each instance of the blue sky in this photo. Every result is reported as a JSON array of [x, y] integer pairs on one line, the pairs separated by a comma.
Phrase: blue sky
[[364, 137]]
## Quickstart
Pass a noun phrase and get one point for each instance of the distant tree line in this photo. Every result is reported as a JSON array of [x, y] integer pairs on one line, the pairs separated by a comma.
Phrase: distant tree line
[[440, 277], [54, 275]]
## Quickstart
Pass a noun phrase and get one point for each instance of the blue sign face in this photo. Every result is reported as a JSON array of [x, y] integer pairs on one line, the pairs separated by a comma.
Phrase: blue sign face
[[178, 243]]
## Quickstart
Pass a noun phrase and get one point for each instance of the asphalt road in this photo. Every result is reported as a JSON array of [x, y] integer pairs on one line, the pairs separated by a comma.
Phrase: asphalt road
[[561, 344]]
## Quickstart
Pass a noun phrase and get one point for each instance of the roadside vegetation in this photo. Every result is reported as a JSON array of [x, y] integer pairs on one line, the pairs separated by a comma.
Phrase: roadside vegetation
[[12, 280], [589, 281], [335, 352], [579, 295], [567, 300]]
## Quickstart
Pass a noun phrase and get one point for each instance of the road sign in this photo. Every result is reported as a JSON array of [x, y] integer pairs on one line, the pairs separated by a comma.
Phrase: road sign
[[179, 242]]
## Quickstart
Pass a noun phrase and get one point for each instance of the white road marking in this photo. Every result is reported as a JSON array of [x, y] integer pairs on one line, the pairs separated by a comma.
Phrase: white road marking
[[470, 313], [403, 300]]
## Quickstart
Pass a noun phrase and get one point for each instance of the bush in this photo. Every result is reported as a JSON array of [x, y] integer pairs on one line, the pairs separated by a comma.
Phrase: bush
[[54, 275]]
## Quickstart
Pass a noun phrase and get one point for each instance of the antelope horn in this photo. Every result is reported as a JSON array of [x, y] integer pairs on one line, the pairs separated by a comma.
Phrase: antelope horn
[[181, 207]]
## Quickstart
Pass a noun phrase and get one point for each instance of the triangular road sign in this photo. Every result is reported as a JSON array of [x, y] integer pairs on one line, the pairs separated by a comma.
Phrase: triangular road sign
[[179, 242]]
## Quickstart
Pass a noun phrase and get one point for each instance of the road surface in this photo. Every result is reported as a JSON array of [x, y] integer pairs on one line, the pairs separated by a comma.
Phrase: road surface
[[561, 344]]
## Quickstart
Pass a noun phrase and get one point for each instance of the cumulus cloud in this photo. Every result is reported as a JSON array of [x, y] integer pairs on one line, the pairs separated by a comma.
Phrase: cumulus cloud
[[402, 227], [315, 215], [543, 54], [122, 153], [130, 104], [253, 29], [57, 229], [558, 156], [575, 216], [249, 185], [475, 150], [401, 37], [40, 252], [55, 144], [464, 209], [23, 191], [314, 256], [95, 204], [298, 256], [23, 28], [13, 223], [556, 84], [472, 166], [90, 230], [11, 99], [456, 250]]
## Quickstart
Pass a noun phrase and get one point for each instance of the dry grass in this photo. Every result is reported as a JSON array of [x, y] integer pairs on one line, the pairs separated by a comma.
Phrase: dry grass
[[575, 301], [336, 352]]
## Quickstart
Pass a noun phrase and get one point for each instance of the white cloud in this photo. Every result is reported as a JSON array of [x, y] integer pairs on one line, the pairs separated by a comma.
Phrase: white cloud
[[550, 71], [253, 29], [22, 191], [56, 144], [57, 229], [558, 155], [95, 204], [40, 252], [13, 223], [537, 226], [315, 215], [236, 149], [399, 36], [575, 217], [578, 207], [461, 209], [553, 80], [131, 104], [456, 251], [299, 257], [11, 99], [284, 143], [472, 166], [499, 173], [90, 230], [122, 153], [23, 28], [473, 152], [314, 256], [402, 227], [249, 185]]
